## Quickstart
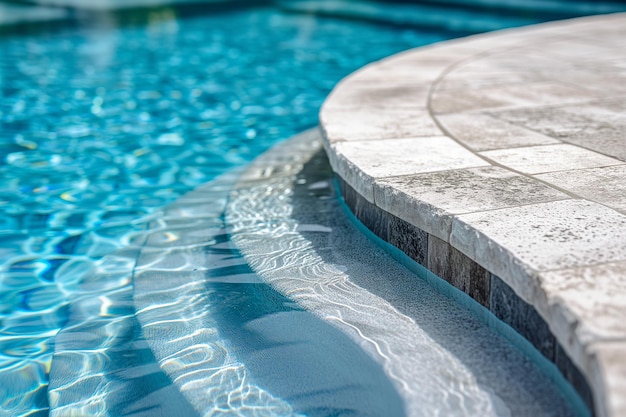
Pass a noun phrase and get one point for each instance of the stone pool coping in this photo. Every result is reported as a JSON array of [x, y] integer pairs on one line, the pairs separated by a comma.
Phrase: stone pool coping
[[498, 161]]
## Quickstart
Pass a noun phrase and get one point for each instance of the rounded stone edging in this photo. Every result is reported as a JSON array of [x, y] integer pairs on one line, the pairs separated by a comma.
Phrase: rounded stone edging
[[474, 143]]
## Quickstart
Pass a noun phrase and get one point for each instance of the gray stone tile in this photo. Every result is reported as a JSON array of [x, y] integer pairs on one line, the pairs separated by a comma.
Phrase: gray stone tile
[[429, 200], [371, 123], [409, 239], [481, 132], [371, 216], [603, 185], [458, 270], [522, 317], [598, 126], [549, 158], [516, 242], [573, 375]]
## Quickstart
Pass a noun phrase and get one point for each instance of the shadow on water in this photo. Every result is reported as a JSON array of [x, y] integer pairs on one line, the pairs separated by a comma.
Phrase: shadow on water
[[315, 201], [298, 357]]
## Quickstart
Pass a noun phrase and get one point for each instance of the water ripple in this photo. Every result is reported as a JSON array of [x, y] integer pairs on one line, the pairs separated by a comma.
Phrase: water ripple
[[442, 360]]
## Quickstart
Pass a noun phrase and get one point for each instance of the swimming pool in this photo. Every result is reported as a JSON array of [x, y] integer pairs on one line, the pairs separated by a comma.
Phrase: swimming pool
[[105, 121]]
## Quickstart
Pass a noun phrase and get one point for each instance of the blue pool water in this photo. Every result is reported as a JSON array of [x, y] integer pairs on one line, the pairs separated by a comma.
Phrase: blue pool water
[[100, 125], [105, 121]]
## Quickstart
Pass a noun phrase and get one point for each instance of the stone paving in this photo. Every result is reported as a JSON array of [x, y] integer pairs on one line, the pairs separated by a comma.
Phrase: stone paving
[[509, 148]]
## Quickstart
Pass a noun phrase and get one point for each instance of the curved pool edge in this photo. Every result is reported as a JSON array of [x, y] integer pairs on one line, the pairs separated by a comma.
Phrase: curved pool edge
[[286, 219], [494, 161]]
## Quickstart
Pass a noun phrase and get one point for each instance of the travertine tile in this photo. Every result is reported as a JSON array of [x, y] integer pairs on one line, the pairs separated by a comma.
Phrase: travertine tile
[[393, 157], [370, 123], [481, 132], [608, 371], [523, 94], [377, 96], [517, 242], [587, 303], [603, 185], [598, 126], [549, 158], [429, 200]]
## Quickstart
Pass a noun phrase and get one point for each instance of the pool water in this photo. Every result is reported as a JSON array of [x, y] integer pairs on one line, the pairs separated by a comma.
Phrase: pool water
[[103, 123], [100, 125]]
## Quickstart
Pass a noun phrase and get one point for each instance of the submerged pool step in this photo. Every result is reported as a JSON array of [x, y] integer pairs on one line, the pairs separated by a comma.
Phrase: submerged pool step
[[440, 358], [184, 268], [102, 365]]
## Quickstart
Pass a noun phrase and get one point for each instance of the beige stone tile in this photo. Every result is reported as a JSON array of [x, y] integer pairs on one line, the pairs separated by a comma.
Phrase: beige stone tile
[[524, 94], [429, 200], [350, 95], [485, 78], [549, 158], [515, 243], [369, 123], [394, 157], [608, 377], [588, 302], [603, 185], [599, 126], [482, 132]]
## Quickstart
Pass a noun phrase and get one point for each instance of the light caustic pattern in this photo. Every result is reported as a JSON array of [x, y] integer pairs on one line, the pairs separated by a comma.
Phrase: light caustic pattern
[[442, 360], [102, 124]]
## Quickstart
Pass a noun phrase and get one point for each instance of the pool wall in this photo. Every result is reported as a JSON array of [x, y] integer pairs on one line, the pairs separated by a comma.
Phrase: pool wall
[[453, 154]]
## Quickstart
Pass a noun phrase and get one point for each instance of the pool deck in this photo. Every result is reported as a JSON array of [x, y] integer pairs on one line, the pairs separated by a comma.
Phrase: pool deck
[[498, 161]]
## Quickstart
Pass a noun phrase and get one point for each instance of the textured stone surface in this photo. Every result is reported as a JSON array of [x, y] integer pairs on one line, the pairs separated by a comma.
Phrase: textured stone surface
[[521, 316], [603, 185], [546, 106], [385, 158], [373, 123], [542, 237], [591, 299], [549, 158], [596, 126], [327, 266], [574, 376], [609, 378], [459, 191], [481, 132], [460, 271], [380, 97], [509, 95], [409, 239]]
